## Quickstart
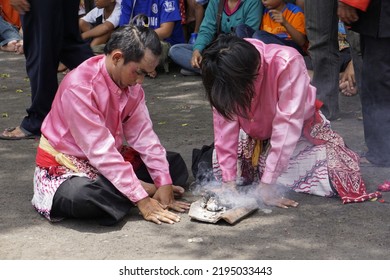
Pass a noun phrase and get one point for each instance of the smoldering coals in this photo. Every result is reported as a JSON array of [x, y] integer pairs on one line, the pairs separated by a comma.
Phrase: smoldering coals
[[212, 203], [217, 197]]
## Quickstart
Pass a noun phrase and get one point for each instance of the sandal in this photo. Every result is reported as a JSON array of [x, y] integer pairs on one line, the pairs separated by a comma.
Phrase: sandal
[[9, 134]]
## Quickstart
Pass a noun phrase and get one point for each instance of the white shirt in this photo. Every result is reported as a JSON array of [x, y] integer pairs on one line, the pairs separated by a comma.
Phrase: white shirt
[[96, 12]]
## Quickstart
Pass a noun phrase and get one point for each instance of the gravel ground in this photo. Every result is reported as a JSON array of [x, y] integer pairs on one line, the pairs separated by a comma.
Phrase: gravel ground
[[319, 229]]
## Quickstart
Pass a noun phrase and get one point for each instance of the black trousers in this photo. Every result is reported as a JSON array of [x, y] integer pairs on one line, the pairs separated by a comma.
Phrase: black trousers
[[50, 35], [375, 98], [83, 198]]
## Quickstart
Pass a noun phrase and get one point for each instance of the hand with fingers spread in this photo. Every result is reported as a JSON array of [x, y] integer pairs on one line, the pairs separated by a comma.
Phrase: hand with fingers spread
[[271, 197], [164, 195], [155, 212]]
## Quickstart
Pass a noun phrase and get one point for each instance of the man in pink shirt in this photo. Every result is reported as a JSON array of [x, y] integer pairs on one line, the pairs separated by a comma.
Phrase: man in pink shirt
[[81, 168], [268, 130]]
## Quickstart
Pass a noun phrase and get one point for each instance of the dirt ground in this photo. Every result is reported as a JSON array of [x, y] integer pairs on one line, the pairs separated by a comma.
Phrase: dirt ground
[[319, 229]]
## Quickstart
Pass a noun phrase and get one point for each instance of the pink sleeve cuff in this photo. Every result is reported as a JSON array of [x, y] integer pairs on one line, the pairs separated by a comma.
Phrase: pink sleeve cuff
[[163, 180], [137, 194]]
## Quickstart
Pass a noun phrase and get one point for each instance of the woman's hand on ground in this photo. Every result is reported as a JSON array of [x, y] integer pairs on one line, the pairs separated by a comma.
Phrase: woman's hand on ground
[[271, 197]]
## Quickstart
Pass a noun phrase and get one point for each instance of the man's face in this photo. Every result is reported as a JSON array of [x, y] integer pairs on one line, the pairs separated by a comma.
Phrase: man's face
[[132, 73]]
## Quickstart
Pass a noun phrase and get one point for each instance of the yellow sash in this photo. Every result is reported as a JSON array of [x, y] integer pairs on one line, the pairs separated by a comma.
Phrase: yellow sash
[[59, 157]]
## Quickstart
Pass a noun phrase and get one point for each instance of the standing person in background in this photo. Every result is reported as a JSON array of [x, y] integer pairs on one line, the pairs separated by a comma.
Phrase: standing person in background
[[372, 20], [322, 32], [50, 35], [234, 12]]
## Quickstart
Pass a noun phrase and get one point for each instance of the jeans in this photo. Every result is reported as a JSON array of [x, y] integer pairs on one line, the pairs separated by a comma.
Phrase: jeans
[[8, 32], [322, 32], [181, 54]]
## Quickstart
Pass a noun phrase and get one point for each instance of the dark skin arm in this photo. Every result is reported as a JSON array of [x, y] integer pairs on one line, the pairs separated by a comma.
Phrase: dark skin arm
[[296, 36], [153, 211], [346, 13], [164, 195]]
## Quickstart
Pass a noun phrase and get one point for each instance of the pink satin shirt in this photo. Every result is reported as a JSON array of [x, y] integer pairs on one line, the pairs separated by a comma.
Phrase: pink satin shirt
[[91, 117], [284, 99]]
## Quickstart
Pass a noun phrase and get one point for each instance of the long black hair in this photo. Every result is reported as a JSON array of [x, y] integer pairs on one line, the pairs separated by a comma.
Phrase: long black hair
[[229, 67]]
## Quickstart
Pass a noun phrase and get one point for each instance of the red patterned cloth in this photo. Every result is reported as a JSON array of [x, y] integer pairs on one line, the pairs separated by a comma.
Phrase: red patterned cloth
[[49, 175], [343, 163], [385, 187]]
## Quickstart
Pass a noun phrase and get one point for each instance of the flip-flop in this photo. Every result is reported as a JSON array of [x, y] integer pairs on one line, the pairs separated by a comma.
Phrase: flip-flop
[[10, 129]]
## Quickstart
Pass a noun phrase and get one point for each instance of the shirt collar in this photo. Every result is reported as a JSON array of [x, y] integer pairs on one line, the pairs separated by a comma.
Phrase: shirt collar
[[112, 86]]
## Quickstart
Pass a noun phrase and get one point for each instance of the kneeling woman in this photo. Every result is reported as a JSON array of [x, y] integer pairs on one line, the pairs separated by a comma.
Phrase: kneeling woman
[[268, 127]]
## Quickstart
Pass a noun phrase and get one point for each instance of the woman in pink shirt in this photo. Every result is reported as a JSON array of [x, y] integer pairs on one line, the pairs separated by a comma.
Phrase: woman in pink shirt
[[83, 168], [268, 129]]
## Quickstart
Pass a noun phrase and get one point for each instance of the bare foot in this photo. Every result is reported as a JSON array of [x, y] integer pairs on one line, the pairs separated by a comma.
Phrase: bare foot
[[10, 46], [19, 47], [346, 89], [15, 133]]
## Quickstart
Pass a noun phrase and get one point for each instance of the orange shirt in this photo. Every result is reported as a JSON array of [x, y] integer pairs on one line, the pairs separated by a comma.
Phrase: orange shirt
[[292, 13], [9, 13]]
